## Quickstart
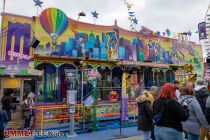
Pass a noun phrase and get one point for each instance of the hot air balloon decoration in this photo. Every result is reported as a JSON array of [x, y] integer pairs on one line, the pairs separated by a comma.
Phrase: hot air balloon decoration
[[54, 21]]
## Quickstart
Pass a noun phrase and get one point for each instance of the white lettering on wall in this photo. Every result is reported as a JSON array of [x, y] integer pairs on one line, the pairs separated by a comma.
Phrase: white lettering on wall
[[19, 55]]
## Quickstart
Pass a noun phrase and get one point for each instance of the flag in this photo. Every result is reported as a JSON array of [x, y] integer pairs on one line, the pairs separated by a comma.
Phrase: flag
[[202, 30]]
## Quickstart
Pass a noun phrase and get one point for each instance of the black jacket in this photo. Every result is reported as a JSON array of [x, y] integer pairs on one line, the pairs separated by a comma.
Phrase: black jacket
[[144, 114], [201, 95], [174, 113], [7, 105]]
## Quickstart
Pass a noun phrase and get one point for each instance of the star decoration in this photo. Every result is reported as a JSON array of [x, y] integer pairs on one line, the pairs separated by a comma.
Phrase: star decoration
[[135, 21], [38, 3], [189, 33], [168, 32], [164, 33], [95, 14], [82, 14]]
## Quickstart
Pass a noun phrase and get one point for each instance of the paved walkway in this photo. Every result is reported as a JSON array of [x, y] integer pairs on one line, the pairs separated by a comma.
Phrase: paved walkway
[[111, 134], [138, 137]]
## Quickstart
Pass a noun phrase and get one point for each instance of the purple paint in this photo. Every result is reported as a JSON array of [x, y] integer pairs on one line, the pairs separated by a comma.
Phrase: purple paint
[[19, 31], [124, 110]]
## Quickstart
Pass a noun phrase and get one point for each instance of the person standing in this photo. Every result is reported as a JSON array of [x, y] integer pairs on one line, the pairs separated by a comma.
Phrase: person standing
[[170, 114], [28, 109], [154, 92], [207, 114], [196, 117], [145, 114], [201, 94], [6, 101], [177, 86], [3, 121]]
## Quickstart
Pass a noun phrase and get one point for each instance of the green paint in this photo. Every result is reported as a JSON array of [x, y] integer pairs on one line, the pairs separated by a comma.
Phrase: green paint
[[22, 72], [141, 56], [1, 71]]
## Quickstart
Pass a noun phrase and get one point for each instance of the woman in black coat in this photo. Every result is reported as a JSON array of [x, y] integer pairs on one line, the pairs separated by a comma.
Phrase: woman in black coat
[[145, 114]]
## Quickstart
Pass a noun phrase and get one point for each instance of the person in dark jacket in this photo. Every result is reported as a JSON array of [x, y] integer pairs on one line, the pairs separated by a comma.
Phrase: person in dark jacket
[[6, 101], [145, 114], [196, 118], [169, 126], [207, 113], [201, 94], [3, 120]]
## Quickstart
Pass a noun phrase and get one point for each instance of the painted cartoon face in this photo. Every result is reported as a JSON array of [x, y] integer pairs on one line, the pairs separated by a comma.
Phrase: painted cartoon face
[[48, 115]]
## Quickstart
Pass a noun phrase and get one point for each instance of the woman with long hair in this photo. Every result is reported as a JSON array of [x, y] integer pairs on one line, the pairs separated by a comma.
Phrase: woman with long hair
[[196, 118], [168, 114]]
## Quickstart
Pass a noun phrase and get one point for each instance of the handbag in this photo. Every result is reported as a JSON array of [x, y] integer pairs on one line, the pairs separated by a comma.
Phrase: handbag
[[158, 118], [160, 115]]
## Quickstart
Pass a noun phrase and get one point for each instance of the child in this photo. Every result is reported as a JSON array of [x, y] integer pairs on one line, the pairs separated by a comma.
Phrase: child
[[3, 122]]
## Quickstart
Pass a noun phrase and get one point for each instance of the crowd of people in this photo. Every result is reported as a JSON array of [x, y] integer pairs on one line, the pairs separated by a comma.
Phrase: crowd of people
[[176, 112], [27, 106]]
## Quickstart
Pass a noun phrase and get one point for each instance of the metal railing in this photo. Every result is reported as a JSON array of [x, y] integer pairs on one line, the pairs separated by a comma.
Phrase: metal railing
[[105, 112]]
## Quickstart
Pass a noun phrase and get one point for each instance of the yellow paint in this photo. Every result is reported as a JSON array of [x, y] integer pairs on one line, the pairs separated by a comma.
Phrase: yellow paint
[[12, 47], [11, 82], [21, 44], [3, 48]]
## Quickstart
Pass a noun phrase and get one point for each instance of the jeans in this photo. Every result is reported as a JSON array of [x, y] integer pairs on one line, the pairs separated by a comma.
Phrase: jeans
[[5, 125], [193, 136], [167, 133], [153, 132], [146, 135], [27, 122]]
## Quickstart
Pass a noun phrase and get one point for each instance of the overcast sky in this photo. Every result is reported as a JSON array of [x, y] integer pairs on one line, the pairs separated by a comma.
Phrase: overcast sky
[[157, 15]]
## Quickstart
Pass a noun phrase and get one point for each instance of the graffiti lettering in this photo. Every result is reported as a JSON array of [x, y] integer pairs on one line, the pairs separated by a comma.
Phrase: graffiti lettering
[[19, 55]]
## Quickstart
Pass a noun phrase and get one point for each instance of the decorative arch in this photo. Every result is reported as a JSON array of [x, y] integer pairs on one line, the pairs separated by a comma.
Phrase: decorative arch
[[47, 87], [148, 78], [63, 84], [38, 65], [103, 67], [159, 78], [117, 67], [67, 65], [170, 76]]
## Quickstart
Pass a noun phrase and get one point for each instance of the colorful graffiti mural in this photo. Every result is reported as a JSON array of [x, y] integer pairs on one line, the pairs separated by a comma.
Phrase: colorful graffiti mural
[[95, 41]]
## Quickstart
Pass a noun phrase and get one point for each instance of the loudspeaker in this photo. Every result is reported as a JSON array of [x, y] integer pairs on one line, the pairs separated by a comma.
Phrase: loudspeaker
[[34, 42]]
